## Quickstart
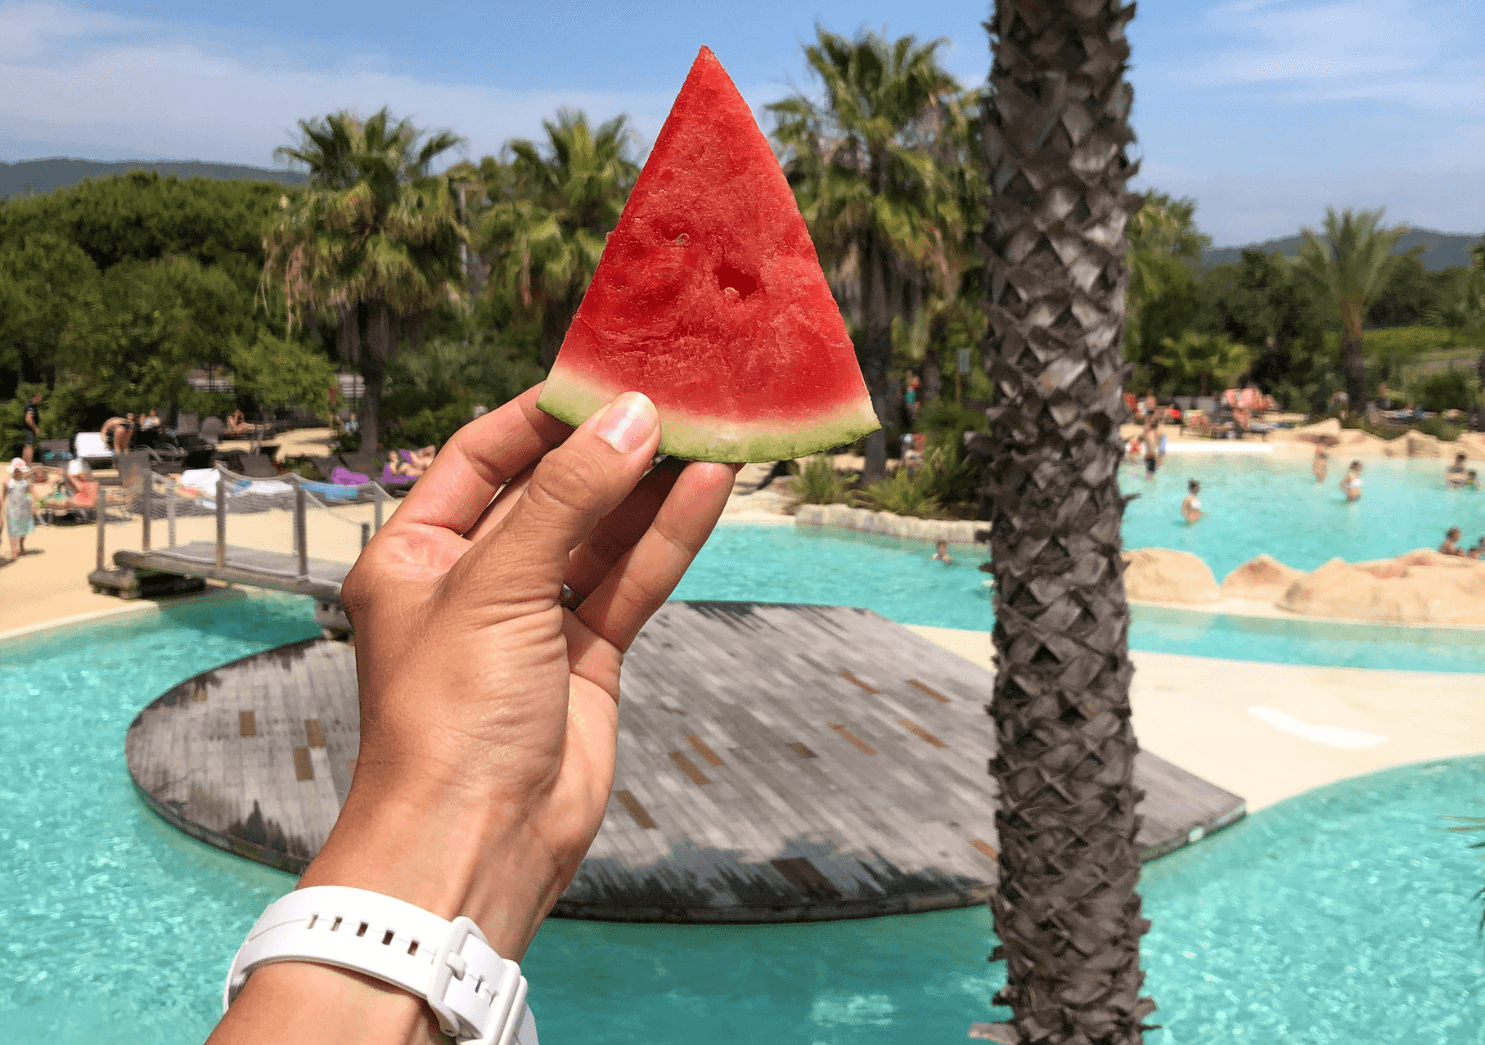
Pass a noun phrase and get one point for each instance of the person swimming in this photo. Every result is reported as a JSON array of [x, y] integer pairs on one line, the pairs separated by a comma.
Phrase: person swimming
[[1321, 465], [941, 553], [1191, 506], [1451, 542], [1351, 483], [1457, 474]]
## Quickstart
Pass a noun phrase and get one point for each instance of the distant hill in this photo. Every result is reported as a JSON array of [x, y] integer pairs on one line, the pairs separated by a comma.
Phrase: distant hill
[[42, 176], [1441, 250]]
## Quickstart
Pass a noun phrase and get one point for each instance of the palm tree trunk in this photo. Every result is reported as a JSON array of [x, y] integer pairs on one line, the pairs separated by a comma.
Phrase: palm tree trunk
[[1354, 365], [875, 352], [381, 345], [1066, 911]]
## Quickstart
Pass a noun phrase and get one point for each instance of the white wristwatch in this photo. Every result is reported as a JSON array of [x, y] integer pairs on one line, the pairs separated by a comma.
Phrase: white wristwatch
[[478, 996]]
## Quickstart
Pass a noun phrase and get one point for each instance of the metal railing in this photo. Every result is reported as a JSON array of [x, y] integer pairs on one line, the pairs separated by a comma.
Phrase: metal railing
[[229, 488]]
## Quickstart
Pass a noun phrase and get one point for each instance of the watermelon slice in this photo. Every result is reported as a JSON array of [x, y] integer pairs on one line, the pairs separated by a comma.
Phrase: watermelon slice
[[710, 300]]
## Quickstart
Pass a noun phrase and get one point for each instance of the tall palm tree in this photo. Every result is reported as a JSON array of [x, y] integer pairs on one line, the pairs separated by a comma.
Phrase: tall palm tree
[[1066, 909], [866, 168], [551, 214], [1350, 263], [374, 238]]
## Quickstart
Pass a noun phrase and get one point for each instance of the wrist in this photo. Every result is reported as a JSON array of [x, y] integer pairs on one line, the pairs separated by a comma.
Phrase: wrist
[[431, 846]]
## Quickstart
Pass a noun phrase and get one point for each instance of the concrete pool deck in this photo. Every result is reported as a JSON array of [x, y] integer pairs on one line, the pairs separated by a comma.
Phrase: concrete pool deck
[[1264, 731]]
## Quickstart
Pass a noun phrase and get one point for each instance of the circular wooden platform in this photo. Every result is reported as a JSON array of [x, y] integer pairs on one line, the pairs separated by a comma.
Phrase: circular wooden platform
[[776, 763]]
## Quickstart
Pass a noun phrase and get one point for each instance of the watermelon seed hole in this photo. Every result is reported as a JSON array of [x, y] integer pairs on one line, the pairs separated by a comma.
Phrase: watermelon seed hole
[[734, 279], [682, 239]]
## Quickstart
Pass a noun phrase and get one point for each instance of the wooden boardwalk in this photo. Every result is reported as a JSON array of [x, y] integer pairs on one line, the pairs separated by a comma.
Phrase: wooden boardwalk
[[775, 763], [263, 569]]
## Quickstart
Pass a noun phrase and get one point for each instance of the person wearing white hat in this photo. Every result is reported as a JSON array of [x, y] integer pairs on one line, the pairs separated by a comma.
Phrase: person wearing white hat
[[19, 511]]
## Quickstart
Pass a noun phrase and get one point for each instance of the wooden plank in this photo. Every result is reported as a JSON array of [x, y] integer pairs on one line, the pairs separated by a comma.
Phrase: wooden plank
[[801, 750], [641, 816], [313, 733], [919, 731], [712, 758], [857, 682], [929, 690], [853, 739], [246, 726], [689, 768]]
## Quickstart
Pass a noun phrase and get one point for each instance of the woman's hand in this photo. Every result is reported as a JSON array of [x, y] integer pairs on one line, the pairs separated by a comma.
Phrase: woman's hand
[[488, 709]]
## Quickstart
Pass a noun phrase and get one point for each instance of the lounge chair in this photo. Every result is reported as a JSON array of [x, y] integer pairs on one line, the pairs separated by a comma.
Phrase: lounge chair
[[375, 466], [258, 466], [212, 429], [90, 447]]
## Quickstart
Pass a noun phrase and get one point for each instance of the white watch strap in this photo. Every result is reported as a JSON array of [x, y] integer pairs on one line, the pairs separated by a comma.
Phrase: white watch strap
[[478, 996]]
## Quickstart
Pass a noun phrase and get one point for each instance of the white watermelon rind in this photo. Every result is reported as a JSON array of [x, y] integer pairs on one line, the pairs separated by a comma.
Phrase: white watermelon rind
[[573, 398]]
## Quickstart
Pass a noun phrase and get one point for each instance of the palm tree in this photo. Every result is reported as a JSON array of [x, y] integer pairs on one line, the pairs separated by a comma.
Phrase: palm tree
[[551, 214], [374, 238], [1194, 359], [1164, 247], [867, 169], [1066, 910], [1350, 263]]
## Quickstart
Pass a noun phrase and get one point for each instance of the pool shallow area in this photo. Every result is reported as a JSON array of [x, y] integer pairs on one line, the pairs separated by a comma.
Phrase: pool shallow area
[[1338, 916], [898, 579], [1257, 504]]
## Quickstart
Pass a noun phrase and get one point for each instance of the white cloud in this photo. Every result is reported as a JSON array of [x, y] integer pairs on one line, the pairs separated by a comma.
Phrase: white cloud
[[123, 89], [1299, 41], [1238, 208]]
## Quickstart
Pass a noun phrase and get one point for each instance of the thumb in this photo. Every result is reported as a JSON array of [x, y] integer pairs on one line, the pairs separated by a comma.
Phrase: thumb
[[573, 487]]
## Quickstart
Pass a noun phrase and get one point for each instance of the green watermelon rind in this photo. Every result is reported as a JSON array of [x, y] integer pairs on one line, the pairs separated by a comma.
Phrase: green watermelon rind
[[573, 398]]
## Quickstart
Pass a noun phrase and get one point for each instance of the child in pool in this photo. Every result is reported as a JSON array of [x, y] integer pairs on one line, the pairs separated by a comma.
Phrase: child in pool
[[1451, 542], [1351, 483], [1191, 506], [941, 553], [1322, 463]]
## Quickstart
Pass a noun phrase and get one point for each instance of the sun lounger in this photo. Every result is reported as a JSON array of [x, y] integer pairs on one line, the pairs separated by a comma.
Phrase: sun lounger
[[258, 466]]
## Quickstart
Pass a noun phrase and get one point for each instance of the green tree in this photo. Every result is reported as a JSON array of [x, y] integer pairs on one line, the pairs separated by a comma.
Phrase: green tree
[[1195, 359], [1067, 911], [275, 371], [1265, 302], [1350, 262], [867, 168], [1164, 252], [45, 281], [550, 214], [374, 240]]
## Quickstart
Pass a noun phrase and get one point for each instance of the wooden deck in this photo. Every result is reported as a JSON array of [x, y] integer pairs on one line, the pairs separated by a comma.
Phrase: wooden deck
[[775, 763], [262, 569]]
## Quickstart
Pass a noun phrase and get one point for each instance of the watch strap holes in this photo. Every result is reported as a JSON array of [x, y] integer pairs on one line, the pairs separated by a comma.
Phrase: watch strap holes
[[336, 927], [362, 931], [387, 937], [412, 948]]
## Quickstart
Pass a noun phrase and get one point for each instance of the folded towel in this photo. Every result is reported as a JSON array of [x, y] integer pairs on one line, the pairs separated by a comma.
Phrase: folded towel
[[342, 476]]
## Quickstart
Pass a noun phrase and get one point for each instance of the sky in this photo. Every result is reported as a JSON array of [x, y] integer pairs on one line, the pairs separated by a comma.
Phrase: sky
[[1263, 111]]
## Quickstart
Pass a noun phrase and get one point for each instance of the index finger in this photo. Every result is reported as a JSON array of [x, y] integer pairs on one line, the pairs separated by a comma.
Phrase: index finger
[[478, 460]]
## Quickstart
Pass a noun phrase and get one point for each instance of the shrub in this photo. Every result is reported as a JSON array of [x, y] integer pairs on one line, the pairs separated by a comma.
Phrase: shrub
[[816, 482], [950, 476], [902, 493], [1439, 429], [1447, 390]]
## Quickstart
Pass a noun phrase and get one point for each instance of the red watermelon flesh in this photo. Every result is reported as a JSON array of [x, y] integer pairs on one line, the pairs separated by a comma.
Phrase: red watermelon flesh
[[710, 300]]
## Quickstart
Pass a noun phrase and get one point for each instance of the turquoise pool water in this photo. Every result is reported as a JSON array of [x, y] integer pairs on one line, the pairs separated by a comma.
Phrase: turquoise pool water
[[898, 579], [1257, 504], [1343, 915]]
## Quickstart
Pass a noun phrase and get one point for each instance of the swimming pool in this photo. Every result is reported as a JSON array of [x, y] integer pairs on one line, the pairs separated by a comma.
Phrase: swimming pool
[[772, 563], [1257, 504], [1338, 916]]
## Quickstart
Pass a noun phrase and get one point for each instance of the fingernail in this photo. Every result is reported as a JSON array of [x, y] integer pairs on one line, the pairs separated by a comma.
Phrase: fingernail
[[628, 422]]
